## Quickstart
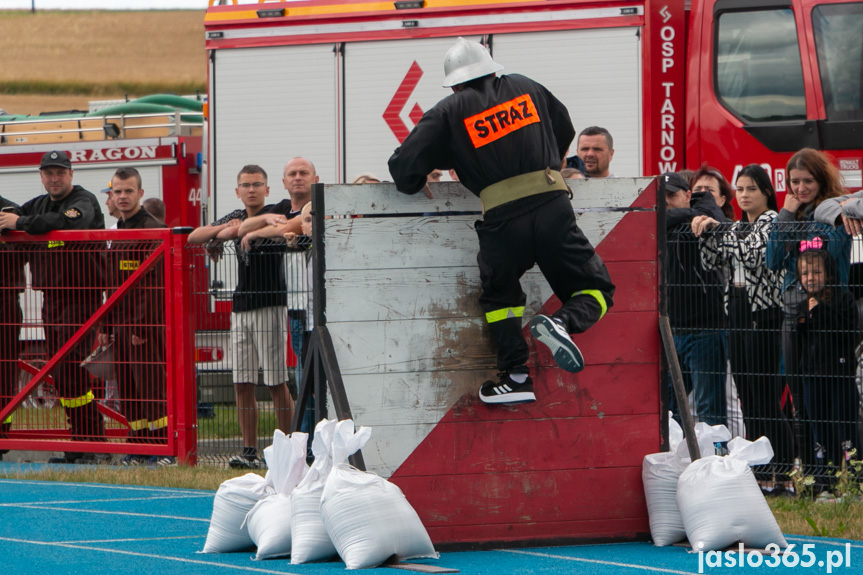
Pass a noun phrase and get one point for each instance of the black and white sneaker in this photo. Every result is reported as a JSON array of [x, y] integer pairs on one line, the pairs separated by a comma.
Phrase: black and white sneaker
[[133, 460], [506, 391], [246, 462], [161, 461], [554, 335]]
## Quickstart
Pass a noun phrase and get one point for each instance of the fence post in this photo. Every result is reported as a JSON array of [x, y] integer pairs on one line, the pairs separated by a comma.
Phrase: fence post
[[182, 378]]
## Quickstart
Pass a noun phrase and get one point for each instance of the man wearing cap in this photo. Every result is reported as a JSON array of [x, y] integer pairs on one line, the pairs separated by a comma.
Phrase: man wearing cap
[[694, 301], [506, 138], [71, 283]]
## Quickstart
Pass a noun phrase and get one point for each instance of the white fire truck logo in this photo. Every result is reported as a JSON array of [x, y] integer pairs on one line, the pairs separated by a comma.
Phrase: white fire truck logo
[[392, 115], [113, 154]]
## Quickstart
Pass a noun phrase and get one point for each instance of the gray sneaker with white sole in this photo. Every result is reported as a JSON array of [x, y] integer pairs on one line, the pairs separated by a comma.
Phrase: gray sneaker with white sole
[[553, 335]]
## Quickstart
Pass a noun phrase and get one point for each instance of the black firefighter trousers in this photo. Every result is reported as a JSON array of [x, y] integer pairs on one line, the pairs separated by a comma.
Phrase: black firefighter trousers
[[64, 311], [537, 230]]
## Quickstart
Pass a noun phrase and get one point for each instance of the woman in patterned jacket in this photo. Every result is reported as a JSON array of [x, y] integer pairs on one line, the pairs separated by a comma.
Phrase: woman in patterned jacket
[[753, 303]]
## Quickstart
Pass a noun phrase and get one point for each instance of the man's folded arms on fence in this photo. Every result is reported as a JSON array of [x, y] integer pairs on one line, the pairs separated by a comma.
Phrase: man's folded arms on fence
[[259, 313], [843, 210]]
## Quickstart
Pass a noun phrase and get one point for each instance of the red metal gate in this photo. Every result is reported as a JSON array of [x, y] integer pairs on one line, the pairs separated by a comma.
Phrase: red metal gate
[[81, 294]]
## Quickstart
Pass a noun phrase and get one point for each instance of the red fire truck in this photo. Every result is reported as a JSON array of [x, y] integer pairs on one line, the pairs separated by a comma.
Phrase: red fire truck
[[160, 136], [727, 82], [161, 141]]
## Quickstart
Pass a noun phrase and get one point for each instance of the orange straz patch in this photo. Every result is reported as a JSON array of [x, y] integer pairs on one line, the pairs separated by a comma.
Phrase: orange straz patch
[[495, 123]]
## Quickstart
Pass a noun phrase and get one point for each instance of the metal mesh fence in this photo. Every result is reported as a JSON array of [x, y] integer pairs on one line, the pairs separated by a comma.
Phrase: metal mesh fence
[[83, 345], [767, 331], [251, 314]]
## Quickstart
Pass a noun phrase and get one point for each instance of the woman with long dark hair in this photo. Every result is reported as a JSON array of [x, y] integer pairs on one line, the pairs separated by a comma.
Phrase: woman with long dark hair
[[812, 178]]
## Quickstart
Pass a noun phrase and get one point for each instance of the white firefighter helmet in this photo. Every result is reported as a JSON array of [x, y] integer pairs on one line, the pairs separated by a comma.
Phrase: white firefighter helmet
[[467, 61]]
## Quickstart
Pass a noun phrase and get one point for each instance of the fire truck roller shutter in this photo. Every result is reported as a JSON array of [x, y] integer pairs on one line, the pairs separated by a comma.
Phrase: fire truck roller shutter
[[268, 106], [603, 89], [374, 125]]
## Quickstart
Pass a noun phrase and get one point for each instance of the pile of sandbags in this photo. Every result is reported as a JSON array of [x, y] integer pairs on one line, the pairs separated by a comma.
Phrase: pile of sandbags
[[314, 513], [660, 472], [367, 517], [714, 501]]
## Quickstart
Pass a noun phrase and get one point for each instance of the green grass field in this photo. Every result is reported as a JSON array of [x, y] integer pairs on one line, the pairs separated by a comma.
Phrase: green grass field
[[99, 55]]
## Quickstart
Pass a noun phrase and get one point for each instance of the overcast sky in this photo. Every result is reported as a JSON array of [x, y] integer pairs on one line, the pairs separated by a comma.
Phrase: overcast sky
[[104, 4]]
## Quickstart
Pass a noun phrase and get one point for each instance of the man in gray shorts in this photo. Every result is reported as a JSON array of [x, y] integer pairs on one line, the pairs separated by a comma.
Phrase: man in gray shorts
[[259, 315]]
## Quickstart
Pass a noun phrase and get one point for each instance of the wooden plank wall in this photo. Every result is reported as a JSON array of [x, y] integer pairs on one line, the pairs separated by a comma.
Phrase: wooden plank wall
[[402, 289]]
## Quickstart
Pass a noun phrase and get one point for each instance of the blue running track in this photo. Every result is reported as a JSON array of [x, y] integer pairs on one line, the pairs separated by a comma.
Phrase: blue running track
[[94, 529]]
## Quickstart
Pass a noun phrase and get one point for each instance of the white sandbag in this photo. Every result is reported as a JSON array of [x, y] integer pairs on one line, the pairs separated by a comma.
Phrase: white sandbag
[[660, 472], [269, 526], [675, 433], [310, 540], [368, 518], [286, 460], [721, 503], [269, 521], [234, 499]]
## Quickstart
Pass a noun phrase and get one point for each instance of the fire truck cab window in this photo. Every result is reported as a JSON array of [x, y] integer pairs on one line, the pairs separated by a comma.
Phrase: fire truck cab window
[[839, 43], [758, 73]]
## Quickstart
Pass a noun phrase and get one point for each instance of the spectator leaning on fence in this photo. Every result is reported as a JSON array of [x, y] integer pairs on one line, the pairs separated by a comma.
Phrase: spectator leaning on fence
[[259, 314], [71, 284], [139, 324], [298, 177], [303, 243], [844, 211], [695, 302], [753, 305], [812, 178]]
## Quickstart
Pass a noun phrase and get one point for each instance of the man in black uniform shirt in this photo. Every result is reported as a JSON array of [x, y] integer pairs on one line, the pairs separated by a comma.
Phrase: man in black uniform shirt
[[71, 284], [139, 323], [11, 284], [506, 137]]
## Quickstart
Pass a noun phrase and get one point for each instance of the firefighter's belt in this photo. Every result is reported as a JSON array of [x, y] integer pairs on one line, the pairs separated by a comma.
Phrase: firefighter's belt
[[522, 186]]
